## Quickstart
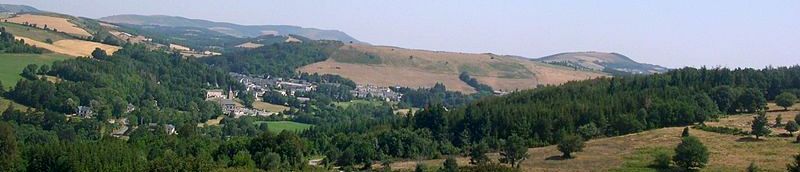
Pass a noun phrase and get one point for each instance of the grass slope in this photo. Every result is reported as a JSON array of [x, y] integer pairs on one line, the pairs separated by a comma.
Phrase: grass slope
[[278, 126], [11, 65], [634, 152], [392, 66]]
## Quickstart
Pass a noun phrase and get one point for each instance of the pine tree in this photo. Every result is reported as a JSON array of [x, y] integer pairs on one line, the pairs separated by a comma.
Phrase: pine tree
[[685, 132], [759, 126], [691, 154], [477, 154], [450, 165]]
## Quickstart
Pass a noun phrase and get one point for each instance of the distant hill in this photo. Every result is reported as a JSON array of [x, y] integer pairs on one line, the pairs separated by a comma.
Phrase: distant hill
[[230, 28], [393, 66], [17, 8], [607, 62]]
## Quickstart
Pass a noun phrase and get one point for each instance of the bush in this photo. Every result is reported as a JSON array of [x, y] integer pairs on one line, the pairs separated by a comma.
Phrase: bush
[[569, 144], [691, 154], [661, 160], [722, 130]]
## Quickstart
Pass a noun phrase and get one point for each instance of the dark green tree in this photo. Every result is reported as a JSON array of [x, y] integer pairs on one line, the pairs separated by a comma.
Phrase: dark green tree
[[759, 125], [685, 132], [30, 71], [450, 165], [513, 151], [691, 154], [752, 100], [791, 127], [99, 53], [247, 98], [243, 159], [477, 154], [589, 131], [9, 152], [570, 143], [786, 100]]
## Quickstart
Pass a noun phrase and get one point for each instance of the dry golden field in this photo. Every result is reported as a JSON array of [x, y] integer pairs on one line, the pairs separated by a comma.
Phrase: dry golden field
[[391, 66], [71, 47], [633, 152], [61, 24]]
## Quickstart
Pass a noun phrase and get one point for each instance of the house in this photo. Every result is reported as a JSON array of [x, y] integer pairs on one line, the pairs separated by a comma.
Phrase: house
[[215, 93], [228, 105], [170, 129], [130, 108], [370, 91], [85, 112]]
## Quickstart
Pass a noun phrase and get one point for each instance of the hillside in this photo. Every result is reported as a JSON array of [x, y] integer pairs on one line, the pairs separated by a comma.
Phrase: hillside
[[9, 8], [230, 28], [392, 66], [600, 61], [634, 152]]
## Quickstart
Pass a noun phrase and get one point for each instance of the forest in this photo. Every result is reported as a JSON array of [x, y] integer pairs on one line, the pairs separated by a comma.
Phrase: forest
[[8, 44], [168, 89]]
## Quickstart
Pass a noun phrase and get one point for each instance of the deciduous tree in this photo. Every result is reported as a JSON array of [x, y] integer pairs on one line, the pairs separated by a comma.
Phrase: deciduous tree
[[786, 100], [569, 144]]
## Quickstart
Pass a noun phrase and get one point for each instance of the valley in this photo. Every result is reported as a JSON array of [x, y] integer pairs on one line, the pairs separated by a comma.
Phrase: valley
[[130, 92]]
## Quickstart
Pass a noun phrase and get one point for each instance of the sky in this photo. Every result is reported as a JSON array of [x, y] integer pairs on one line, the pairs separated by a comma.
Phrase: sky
[[674, 33]]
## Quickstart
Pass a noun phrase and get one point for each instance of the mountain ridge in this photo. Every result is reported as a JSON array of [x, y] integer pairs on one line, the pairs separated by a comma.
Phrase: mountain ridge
[[232, 29], [609, 62]]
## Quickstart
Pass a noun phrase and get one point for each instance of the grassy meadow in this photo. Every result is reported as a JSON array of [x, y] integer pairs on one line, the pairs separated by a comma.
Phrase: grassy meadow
[[11, 65], [278, 126]]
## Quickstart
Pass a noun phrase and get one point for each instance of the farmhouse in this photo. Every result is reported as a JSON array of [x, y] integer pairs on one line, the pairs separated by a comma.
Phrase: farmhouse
[[84, 112], [215, 93]]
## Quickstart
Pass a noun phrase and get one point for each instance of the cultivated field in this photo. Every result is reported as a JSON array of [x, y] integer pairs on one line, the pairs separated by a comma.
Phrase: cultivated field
[[391, 66], [61, 24], [71, 47], [11, 65], [264, 106], [634, 152], [278, 126], [249, 45], [33, 33]]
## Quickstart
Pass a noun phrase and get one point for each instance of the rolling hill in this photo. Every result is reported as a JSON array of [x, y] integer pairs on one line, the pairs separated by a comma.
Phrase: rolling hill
[[230, 28], [600, 61], [9, 8], [393, 66]]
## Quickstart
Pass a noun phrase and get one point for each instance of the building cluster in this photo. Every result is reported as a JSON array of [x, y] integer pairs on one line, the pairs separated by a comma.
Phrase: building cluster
[[371, 91], [261, 85], [229, 106]]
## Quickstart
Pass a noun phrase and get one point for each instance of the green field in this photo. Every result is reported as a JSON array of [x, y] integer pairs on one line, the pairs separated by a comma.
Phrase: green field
[[5, 102], [278, 126], [347, 104], [11, 65]]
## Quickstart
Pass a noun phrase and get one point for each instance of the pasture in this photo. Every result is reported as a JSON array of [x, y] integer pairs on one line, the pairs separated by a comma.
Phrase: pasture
[[264, 106], [278, 126], [634, 152], [11, 65], [391, 66]]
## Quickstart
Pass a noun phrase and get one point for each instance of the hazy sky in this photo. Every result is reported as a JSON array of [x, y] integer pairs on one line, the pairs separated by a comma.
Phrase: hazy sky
[[672, 33]]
